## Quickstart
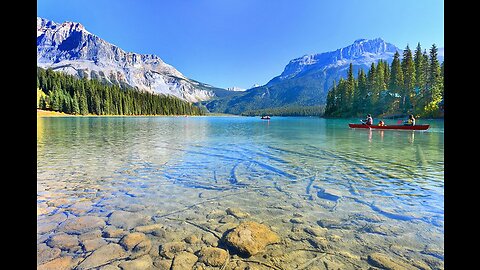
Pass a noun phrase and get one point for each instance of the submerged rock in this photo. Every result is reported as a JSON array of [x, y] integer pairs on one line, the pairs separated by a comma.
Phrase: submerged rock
[[90, 235], [155, 229], [129, 241], [46, 253], [109, 267], [46, 227], [297, 220], [213, 256], [386, 262], [332, 224], [319, 243], [143, 263], [210, 240], [81, 225], [136, 242], [236, 212], [62, 263], [102, 256], [215, 214], [162, 264], [184, 261], [227, 219], [250, 238], [93, 244], [225, 227], [64, 241], [315, 231], [113, 232], [126, 220], [192, 239], [169, 250]]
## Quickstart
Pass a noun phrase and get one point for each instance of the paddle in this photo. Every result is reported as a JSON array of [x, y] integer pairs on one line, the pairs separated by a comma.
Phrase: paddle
[[363, 121]]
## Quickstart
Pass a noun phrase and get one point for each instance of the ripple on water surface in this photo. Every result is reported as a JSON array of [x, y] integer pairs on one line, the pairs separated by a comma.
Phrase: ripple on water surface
[[337, 197]]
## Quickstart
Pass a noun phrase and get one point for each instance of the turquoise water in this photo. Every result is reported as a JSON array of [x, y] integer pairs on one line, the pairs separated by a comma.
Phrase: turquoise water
[[373, 188]]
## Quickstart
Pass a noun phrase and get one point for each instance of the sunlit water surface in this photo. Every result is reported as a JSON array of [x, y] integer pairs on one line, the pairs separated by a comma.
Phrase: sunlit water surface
[[374, 191]]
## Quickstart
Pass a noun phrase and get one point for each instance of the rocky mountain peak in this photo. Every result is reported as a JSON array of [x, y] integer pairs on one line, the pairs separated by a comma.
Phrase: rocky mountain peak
[[70, 48]]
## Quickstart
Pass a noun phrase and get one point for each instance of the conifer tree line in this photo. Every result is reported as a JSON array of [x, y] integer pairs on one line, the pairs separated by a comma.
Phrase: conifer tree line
[[411, 85], [288, 111], [68, 94]]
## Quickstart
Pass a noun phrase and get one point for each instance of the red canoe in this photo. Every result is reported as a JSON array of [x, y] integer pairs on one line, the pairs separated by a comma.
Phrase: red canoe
[[400, 127]]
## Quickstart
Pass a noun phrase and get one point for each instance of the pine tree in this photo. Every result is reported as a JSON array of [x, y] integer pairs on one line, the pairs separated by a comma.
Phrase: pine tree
[[75, 104], [380, 87], [408, 93], [418, 59], [396, 82], [349, 89], [342, 96], [330, 107], [434, 84], [386, 73], [362, 93], [442, 75], [43, 103], [373, 95]]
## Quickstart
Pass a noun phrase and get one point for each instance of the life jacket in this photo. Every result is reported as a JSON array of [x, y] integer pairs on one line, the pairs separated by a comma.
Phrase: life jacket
[[369, 121]]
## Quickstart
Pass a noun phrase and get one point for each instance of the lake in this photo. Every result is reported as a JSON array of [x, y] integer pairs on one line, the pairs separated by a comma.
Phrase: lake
[[337, 197]]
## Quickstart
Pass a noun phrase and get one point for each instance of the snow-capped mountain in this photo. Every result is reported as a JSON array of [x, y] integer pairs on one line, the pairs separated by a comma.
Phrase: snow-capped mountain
[[70, 48], [363, 52], [306, 80]]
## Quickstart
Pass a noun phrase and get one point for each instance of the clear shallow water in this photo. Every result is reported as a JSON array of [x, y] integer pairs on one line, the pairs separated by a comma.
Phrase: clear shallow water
[[375, 191]]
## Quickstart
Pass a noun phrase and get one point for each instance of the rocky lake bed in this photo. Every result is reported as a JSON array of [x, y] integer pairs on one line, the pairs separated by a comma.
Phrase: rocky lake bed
[[236, 193], [215, 234]]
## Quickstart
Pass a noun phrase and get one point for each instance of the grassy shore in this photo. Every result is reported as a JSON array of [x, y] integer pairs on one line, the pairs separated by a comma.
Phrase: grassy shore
[[43, 113]]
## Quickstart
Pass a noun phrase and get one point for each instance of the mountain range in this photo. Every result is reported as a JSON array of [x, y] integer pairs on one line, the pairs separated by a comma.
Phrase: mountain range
[[68, 47], [306, 80]]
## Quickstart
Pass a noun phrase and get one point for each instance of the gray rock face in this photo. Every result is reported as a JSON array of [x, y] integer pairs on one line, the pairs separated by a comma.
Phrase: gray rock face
[[70, 48], [361, 52]]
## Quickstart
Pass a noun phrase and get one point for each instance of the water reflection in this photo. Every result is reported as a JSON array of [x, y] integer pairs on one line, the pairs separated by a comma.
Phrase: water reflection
[[411, 138]]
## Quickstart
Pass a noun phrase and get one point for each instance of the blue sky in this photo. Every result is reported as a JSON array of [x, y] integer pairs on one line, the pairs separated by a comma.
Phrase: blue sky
[[239, 43]]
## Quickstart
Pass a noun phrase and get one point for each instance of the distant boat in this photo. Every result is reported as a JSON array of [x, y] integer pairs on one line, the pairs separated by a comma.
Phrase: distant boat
[[265, 117], [396, 127]]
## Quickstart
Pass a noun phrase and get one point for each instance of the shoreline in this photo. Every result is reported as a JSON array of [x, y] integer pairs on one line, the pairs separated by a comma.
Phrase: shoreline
[[44, 113]]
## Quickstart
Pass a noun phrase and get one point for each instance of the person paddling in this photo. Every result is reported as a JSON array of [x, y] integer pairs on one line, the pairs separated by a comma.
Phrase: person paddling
[[410, 121], [368, 121]]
